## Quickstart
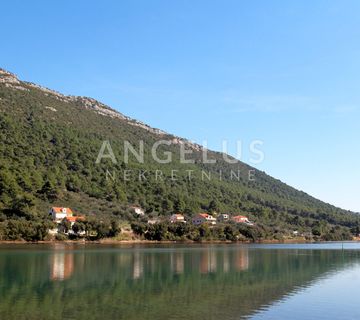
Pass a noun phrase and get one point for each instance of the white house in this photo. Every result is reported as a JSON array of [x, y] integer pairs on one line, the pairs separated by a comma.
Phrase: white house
[[138, 210], [223, 217], [203, 218], [242, 219], [177, 218], [59, 213]]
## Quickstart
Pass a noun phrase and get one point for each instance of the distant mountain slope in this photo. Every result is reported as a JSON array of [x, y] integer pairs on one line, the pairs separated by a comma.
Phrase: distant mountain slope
[[50, 142]]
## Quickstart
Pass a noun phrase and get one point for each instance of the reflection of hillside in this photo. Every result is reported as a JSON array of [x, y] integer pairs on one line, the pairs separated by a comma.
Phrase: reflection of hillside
[[62, 261], [226, 262], [211, 259], [208, 261], [62, 266], [206, 283], [242, 259], [177, 262], [138, 266]]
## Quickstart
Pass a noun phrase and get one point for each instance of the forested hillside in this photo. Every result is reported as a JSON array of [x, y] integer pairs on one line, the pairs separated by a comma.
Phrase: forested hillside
[[50, 143]]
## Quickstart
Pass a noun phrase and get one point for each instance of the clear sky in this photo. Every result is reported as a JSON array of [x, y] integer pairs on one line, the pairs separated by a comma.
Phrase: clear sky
[[285, 72]]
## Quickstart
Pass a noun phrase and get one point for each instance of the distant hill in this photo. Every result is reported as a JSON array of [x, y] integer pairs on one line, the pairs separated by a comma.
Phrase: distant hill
[[50, 143]]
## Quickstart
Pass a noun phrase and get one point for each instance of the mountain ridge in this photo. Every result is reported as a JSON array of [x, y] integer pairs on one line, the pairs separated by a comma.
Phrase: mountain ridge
[[101, 108], [9, 79], [71, 151]]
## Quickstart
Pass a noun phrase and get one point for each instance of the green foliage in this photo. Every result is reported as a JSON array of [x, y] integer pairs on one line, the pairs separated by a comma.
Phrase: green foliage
[[139, 228], [25, 230], [61, 237], [96, 228], [231, 233], [48, 157], [184, 231], [250, 232], [213, 206], [338, 234], [65, 226], [79, 227], [49, 191]]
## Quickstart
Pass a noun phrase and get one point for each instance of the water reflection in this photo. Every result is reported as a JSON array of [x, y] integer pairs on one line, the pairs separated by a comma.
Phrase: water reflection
[[138, 265], [62, 266], [207, 282], [209, 260], [61, 263], [177, 262], [242, 259]]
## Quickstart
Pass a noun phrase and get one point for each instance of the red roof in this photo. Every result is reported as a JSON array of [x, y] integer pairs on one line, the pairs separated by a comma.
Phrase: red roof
[[239, 217], [204, 215], [59, 210], [74, 219]]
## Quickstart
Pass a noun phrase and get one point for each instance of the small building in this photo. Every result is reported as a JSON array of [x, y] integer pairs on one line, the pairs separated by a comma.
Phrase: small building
[[203, 218], [177, 218], [223, 217], [138, 210], [59, 213], [242, 219]]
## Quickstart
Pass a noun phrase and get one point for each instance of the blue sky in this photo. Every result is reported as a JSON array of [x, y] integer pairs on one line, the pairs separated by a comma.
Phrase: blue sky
[[285, 72]]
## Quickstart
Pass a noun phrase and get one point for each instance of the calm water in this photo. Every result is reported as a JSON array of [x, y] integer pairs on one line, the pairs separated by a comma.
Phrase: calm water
[[320, 281]]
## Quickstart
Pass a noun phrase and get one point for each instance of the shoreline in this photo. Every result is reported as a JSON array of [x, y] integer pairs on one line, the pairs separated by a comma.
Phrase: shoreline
[[113, 241]]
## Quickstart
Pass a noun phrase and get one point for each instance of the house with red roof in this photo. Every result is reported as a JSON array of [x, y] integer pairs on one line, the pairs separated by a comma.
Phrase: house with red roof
[[177, 218], [58, 214], [241, 219], [202, 218], [73, 219]]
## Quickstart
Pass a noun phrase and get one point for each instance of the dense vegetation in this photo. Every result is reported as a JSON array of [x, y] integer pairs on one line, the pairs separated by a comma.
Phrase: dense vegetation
[[231, 232], [49, 145]]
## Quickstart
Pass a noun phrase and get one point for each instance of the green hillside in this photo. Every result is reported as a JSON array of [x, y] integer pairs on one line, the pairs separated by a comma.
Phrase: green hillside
[[50, 143]]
